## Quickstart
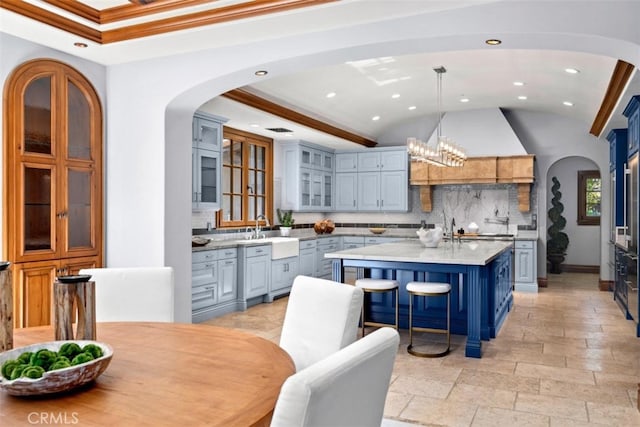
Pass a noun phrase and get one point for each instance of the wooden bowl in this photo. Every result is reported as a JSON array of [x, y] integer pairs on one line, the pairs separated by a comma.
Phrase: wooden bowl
[[59, 380], [377, 230]]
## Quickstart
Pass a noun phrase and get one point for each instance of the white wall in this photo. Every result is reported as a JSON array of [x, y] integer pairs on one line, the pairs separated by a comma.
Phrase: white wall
[[584, 240]]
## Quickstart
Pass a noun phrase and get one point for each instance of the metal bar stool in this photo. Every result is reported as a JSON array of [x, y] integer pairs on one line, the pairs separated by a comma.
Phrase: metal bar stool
[[373, 286], [429, 289]]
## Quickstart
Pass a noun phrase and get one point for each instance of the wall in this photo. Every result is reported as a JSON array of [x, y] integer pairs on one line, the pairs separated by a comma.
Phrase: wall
[[584, 240]]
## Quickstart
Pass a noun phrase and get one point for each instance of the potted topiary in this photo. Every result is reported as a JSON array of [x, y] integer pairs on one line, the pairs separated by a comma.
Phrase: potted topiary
[[285, 218], [557, 241]]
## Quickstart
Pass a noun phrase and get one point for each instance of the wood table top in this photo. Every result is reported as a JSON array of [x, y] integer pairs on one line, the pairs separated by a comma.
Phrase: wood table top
[[164, 374]]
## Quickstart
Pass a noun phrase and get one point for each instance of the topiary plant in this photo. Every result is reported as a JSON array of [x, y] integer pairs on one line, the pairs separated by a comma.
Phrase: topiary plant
[[557, 241]]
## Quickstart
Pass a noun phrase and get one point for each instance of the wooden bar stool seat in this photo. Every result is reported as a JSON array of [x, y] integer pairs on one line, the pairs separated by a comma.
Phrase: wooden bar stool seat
[[373, 286], [429, 289]]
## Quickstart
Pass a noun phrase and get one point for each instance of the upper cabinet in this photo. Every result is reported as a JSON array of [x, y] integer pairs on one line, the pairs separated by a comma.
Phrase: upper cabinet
[[372, 180], [617, 160], [53, 164], [308, 177], [632, 113], [206, 162]]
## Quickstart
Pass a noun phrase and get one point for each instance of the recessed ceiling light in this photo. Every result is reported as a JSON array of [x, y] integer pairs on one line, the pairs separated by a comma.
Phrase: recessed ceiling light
[[331, 94], [80, 45], [493, 42], [254, 125], [464, 99], [288, 134], [375, 118], [518, 83], [413, 107], [568, 103], [395, 96], [522, 97], [261, 73], [571, 70]]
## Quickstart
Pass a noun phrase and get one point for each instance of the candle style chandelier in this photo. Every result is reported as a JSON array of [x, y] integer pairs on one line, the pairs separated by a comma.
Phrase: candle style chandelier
[[445, 153]]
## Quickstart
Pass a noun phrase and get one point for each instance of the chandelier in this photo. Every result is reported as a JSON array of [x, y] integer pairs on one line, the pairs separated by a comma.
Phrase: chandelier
[[445, 153]]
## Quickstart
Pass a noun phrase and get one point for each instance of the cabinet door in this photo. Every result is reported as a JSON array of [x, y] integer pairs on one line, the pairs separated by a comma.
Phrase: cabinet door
[[305, 188], [207, 134], [227, 279], [346, 190], [33, 293], [279, 274], [393, 191], [368, 162], [257, 276], [317, 186], [369, 191], [393, 160], [207, 185], [327, 190], [327, 161], [346, 162], [307, 259], [203, 296], [79, 221], [524, 265]]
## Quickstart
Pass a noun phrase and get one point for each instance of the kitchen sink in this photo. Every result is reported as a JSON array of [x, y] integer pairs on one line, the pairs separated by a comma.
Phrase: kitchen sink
[[281, 247]]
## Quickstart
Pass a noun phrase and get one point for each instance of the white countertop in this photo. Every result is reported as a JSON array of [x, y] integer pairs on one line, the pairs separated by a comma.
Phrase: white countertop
[[411, 250]]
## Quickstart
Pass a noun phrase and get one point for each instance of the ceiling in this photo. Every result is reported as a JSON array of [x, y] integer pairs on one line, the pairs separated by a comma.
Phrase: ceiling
[[119, 31]]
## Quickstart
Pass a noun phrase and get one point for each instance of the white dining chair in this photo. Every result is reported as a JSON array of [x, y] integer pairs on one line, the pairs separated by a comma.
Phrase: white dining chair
[[347, 388], [142, 294], [321, 318]]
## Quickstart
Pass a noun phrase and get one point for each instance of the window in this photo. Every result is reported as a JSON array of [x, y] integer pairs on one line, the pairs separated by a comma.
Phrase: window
[[247, 177], [589, 197]]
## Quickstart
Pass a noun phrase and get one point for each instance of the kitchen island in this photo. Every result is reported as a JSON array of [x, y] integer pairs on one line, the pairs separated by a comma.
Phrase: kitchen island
[[479, 274]]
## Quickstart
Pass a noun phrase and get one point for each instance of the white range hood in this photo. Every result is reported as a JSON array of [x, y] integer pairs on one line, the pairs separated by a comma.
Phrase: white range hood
[[482, 132]]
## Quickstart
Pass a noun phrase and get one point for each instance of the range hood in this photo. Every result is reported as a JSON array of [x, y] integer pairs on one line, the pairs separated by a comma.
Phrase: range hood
[[495, 155]]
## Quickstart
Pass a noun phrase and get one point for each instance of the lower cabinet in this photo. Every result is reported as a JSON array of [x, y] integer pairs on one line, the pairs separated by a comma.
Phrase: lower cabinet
[[307, 258], [213, 283], [525, 279], [33, 288], [324, 245], [254, 274], [283, 271]]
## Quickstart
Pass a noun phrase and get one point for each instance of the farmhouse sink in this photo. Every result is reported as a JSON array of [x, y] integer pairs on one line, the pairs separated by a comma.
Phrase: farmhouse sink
[[281, 247]]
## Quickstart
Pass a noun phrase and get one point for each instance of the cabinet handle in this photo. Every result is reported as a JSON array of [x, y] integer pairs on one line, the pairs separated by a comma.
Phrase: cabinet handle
[[258, 251], [209, 265], [382, 203], [208, 256], [354, 203], [228, 262], [377, 202]]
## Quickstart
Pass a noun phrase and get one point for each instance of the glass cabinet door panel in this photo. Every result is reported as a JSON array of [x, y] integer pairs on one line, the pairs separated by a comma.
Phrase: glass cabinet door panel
[[208, 177], [79, 209], [328, 185], [209, 135], [316, 190], [78, 124], [317, 159], [38, 188], [305, 191], [37, 116]]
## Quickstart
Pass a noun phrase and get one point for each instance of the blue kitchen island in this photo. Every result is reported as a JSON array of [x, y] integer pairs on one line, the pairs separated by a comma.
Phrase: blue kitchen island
[[479, 273]]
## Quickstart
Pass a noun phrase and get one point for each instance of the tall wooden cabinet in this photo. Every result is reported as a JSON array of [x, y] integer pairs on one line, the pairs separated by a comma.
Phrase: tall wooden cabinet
[[53, 182]]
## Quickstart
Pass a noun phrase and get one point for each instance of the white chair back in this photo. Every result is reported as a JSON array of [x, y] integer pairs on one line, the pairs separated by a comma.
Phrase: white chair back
[[321, 318], [348, 388], [142, 294]]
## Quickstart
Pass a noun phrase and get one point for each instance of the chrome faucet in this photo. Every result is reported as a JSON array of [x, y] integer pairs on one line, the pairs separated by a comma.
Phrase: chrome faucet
[[258, 229], [453, 224]]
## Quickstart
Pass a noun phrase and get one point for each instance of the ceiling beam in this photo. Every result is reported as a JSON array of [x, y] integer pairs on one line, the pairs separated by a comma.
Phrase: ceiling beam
[[619, 79], [247, 98]]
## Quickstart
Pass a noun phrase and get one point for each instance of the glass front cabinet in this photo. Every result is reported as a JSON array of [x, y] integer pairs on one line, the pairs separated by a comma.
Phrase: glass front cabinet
[[206, 161], [308, 180], [53, 167]]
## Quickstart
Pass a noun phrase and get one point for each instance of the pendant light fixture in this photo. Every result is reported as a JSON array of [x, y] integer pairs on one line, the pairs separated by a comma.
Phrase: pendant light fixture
[[445, 153]]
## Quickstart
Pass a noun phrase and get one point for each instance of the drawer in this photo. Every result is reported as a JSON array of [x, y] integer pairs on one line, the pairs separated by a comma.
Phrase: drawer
[[328, 240], [203, 296], [258, 251], [204, 272], [227, 253], [202, 256], [524, 244], [328, 248], [352, 240], [306, 244]]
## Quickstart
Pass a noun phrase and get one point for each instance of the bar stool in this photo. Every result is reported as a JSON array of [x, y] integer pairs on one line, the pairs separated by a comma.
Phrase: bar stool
[[429, 289], [373, 286]]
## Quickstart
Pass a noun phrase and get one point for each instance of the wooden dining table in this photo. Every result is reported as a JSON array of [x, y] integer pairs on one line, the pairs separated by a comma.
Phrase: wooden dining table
[[163, 374]]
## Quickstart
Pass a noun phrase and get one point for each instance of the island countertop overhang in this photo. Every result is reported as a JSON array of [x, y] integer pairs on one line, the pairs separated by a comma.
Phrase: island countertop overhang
[[411, 250]]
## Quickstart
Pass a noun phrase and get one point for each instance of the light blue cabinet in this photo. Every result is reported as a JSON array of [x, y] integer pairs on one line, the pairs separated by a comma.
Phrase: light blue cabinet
[[283, 271], [255, 271], [324, 245], [227, 274], [213, 283], [307, 258], [374, 180], [206, 161], [525, 266], [308, 177]]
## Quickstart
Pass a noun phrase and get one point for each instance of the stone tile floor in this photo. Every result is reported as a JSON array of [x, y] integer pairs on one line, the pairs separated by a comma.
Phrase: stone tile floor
[[564, 357]]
